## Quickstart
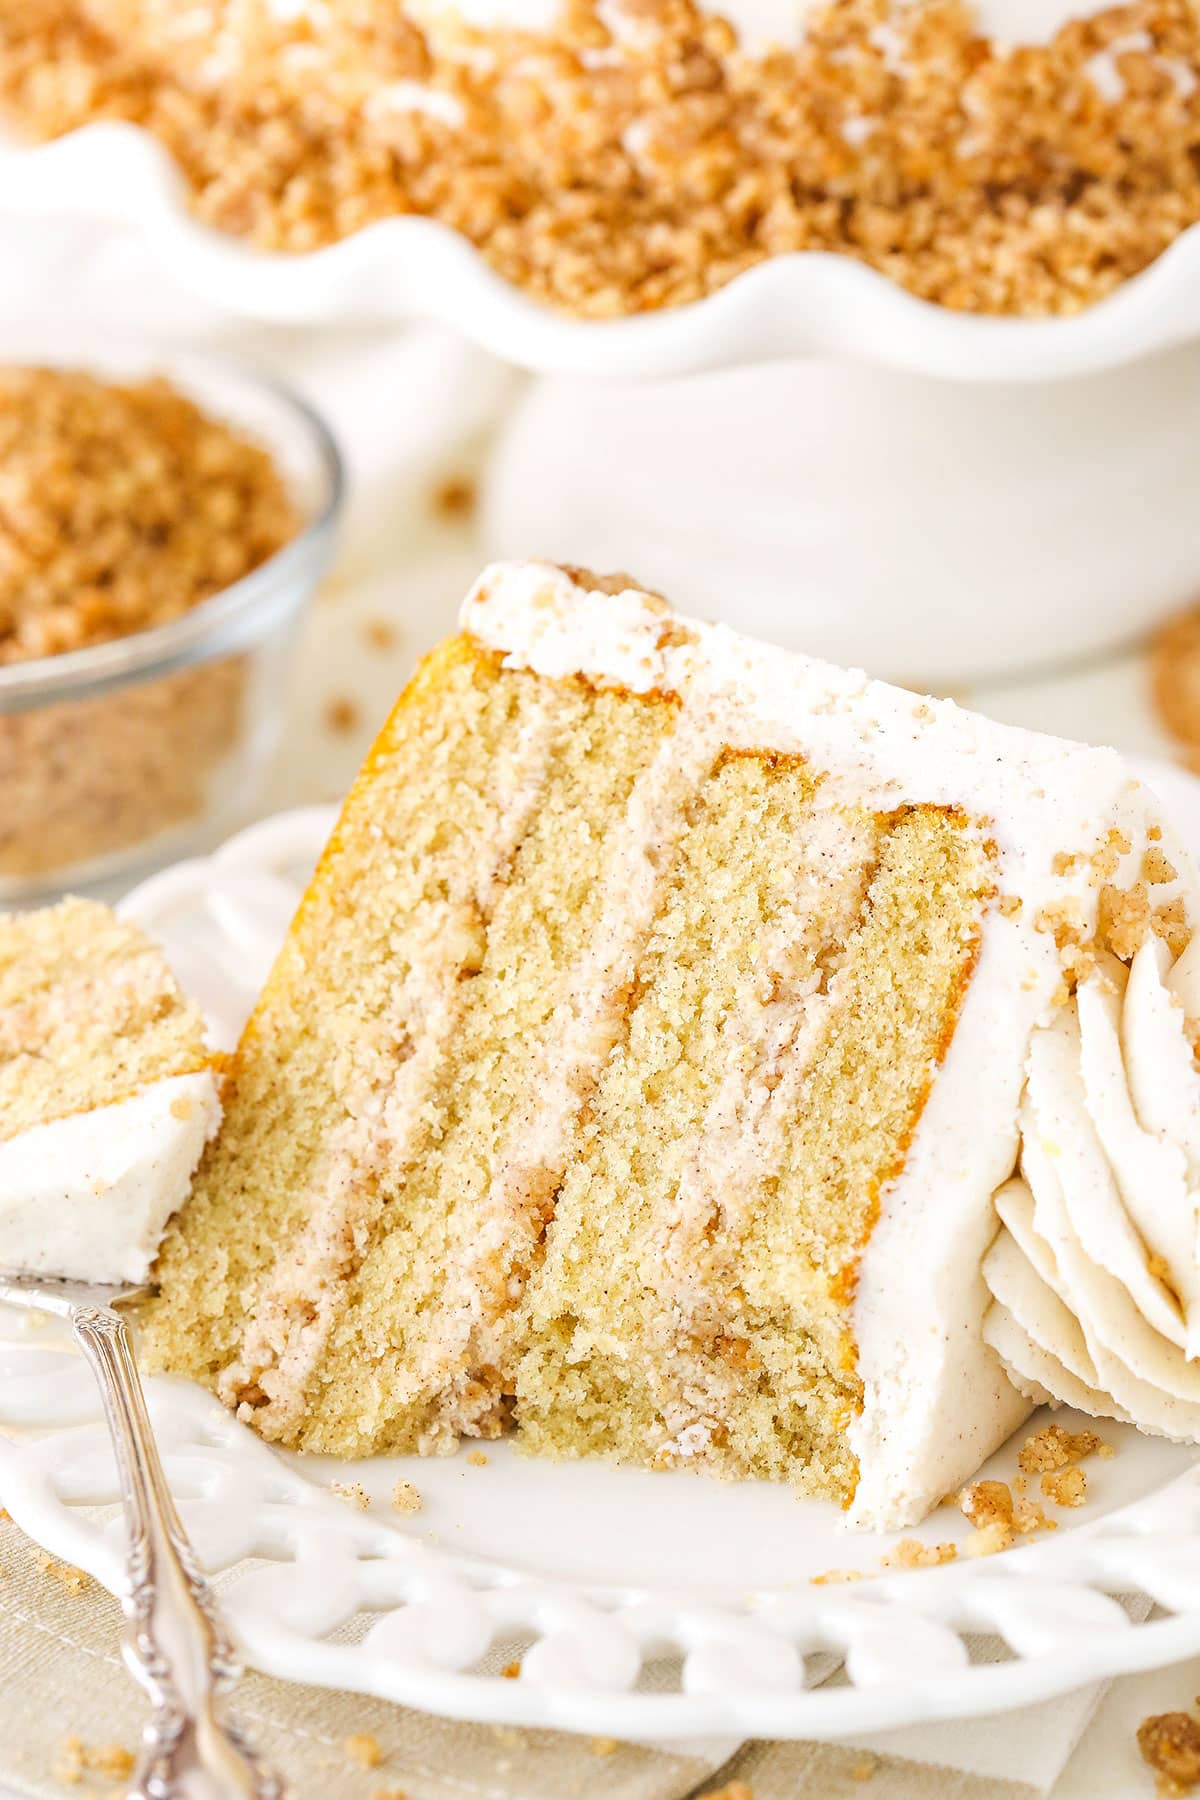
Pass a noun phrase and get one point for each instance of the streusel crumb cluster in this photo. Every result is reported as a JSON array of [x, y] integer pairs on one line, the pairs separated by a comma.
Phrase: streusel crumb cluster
[[121, 507], [638, 157]]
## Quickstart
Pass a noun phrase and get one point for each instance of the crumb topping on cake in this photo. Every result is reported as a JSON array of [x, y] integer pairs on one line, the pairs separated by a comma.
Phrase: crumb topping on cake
[[635, 155]]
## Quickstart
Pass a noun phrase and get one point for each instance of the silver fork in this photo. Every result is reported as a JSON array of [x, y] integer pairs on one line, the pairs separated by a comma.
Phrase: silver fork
[[175, 1643]]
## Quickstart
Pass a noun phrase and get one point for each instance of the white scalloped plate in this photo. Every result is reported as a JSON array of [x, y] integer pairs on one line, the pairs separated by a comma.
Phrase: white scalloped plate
[[642, 1606], [410, 268]]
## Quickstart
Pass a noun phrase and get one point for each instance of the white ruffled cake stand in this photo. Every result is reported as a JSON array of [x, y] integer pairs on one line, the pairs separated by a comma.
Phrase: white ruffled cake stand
[[811, 452]]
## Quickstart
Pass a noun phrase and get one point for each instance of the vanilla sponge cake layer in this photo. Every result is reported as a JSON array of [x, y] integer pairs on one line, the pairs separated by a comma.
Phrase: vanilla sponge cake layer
[[642, 1062]]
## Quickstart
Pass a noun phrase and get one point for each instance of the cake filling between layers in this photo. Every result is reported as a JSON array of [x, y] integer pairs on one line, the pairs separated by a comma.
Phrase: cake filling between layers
[[574, 1091]]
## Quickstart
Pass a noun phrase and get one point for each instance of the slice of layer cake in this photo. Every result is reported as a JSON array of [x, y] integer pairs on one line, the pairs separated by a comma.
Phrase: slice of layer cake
[[107, 1094], [644, 1058]]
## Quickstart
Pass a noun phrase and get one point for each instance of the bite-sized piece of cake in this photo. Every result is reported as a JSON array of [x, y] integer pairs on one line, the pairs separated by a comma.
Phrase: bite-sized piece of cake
[[644, 1058], [107, 1094]]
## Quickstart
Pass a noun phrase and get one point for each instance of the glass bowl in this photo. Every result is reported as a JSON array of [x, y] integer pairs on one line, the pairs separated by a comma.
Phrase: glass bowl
[[132, 752]]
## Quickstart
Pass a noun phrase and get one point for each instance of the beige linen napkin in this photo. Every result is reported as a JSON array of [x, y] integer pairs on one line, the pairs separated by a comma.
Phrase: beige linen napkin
[[61, 1676]]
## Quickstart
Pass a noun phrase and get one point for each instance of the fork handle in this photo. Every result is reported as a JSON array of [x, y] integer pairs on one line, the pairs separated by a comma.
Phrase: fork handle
[[175, 1642]]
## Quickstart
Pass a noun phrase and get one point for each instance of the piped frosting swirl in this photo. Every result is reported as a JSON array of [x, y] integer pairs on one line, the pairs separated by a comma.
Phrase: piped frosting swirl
[[1095, 1273]]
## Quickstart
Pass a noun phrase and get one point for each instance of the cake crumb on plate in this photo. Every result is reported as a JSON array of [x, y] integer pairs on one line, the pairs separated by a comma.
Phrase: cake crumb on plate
[[1066, 1487], [352, 1492]]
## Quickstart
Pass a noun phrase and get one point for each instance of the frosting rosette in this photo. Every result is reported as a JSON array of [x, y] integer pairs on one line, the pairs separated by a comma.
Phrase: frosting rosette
[[1095, 1271]]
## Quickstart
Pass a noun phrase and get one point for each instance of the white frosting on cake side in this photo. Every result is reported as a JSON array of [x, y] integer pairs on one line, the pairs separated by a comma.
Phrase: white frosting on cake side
[[89, 1196], [1096, 1271], [936, 1400]]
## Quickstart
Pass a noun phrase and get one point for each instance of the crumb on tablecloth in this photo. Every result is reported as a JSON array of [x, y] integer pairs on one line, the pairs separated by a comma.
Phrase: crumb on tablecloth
[[362, 1747], [455, 497], [75, 1759], [380, 634], [1170, 1744], [1175, 682], [74, 1580], [342, 715], [406, 1498]]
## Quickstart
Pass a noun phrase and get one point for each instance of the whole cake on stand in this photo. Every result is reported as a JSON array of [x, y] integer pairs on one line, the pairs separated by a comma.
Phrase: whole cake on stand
[[992, 194]]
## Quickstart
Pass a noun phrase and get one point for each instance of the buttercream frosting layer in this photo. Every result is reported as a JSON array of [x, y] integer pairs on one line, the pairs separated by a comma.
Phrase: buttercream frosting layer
[[88, 1196], [1095, 1273]]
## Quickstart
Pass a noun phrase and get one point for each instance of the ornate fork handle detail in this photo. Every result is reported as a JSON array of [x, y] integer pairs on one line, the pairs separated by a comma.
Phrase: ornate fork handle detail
[[175, 1642]]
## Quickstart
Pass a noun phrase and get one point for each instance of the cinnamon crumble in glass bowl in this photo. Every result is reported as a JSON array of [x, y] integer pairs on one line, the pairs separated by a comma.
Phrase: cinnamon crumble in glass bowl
[[164, 520]]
